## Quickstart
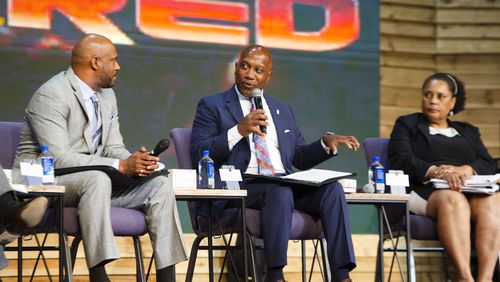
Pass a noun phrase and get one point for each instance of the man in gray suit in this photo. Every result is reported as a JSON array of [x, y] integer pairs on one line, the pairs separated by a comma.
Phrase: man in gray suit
[[75, 114]]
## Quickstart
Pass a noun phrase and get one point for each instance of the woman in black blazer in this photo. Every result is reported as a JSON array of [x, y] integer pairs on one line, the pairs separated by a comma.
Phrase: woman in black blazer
[[429, 145]]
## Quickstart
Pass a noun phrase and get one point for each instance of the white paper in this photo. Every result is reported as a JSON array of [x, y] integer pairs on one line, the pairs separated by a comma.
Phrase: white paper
[[316, 175], [397, 179], [31, 169], [183, 178], [230, 174], [20, 188], [475, 184]]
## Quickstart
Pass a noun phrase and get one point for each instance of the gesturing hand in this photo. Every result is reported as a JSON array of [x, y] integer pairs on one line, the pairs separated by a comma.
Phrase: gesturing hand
[[251, 122], [334, 140], [139, 163]]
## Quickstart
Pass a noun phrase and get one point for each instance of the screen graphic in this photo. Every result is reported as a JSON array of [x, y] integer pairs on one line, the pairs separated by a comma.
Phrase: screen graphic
[[173, 52]]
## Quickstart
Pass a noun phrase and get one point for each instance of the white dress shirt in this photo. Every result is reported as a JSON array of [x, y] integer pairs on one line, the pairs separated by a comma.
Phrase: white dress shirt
[[87, 92], [233, 137]]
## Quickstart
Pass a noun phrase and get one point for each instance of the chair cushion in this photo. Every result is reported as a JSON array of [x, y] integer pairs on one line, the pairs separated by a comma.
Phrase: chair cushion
[[125, 222], [423, 228], [304, 226]]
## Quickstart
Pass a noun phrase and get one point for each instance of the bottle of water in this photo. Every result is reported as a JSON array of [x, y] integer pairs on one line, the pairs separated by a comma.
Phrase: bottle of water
[[206, 172], [376, 175], [47, 162]]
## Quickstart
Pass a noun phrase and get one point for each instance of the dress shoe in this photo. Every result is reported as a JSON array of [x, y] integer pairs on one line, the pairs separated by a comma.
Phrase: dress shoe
[[22, 215]]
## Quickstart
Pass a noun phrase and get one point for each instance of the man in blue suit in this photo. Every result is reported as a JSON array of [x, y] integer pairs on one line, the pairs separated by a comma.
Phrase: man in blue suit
[[225, 125]]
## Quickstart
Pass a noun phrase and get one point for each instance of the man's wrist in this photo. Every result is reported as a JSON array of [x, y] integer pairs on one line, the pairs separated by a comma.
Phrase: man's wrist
[[323, 138], [324, 142]]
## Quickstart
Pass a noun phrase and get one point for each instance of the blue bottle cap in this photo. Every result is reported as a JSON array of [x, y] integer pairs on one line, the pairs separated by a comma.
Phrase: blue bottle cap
[[376, 159], [205, 153], [44, 148]]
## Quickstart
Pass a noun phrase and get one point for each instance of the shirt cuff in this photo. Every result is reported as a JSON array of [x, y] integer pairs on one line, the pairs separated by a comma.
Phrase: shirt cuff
[[326, 148], [116, 164], [233, 137]]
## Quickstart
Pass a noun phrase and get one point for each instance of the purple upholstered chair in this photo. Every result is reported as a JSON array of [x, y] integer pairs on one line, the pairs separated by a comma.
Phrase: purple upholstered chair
[[9, 138], [421, 227], [304, 227], [125, 222]]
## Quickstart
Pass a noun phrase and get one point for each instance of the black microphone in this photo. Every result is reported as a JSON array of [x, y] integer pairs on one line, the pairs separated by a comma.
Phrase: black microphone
[[257, 99], [160, 147]]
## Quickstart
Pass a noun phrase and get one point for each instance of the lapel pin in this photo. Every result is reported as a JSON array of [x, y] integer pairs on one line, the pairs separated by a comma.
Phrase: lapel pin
[[277, 111]]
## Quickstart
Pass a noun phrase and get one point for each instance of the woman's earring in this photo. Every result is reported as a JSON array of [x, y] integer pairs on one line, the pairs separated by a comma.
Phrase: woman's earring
[[451, 113]]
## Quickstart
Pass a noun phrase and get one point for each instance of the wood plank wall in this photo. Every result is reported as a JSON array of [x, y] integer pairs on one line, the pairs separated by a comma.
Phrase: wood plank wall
[[419, 37]]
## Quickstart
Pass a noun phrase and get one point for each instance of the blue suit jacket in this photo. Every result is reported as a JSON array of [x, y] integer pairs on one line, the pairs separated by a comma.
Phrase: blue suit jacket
[[216, 114]]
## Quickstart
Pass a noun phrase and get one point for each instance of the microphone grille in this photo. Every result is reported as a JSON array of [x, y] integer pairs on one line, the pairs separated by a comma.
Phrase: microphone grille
[[256, 92]]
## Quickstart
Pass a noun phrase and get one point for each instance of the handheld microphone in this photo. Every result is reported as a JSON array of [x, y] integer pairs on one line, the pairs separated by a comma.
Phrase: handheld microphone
[[257, 99], [160, 147]]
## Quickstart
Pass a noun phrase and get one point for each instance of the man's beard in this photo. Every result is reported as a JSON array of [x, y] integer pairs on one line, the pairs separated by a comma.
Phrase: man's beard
[[108, 83]]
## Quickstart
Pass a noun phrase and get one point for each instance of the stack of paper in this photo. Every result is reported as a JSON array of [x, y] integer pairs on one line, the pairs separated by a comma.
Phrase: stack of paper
[[486, 184]]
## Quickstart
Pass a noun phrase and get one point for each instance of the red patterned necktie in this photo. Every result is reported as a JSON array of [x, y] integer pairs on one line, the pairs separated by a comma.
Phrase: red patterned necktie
[[261, 152]]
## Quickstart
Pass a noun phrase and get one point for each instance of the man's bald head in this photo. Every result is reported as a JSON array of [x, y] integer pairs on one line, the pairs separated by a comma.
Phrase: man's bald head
[[93, 59], [257, 49], [253, 69], [87, 46]]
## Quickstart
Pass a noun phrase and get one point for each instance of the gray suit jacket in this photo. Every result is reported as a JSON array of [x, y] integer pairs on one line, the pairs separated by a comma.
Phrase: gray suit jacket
[[56, 117]]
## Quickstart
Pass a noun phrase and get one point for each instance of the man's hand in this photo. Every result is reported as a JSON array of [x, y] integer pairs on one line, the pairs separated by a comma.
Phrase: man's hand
[[250, 124], [139, 163], [334, 140]]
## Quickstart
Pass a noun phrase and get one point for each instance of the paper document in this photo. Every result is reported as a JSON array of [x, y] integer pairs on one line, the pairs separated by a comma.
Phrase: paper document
[[485, 184], [312, 177], [317, 175]]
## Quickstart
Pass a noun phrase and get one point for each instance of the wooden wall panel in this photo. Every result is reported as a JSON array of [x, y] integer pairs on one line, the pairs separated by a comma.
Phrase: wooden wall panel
[[456, 36]]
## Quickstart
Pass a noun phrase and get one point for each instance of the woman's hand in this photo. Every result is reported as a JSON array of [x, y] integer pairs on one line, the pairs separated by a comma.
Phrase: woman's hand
[[455, 175], [443, 170], [455, 180]]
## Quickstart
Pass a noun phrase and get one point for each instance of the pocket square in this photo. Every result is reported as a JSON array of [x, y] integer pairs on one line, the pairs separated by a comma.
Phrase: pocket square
[[287, 130]]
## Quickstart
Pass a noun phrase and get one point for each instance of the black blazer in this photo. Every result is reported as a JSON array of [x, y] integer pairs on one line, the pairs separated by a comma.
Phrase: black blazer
[[409, 147]]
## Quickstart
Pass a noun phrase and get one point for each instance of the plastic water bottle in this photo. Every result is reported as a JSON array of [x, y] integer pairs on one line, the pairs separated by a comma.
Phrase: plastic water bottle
[[206, 171], [47, 162], [376, 175]]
